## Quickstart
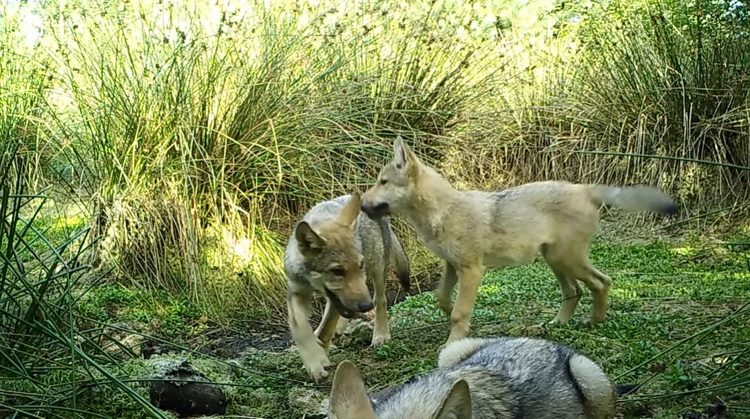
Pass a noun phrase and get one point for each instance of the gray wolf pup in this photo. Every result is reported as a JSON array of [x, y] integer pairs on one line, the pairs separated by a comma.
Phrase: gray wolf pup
[[470, 230], [332, 251], [486, 379]]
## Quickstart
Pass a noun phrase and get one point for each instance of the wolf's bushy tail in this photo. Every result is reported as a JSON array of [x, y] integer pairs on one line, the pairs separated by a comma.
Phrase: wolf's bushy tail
[[400, 262], [396, 255], [634, 198], [597, 392]]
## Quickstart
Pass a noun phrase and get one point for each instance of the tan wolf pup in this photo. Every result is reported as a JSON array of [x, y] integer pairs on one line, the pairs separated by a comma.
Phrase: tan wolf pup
[[332, 251], [471, 230], [498, 378]]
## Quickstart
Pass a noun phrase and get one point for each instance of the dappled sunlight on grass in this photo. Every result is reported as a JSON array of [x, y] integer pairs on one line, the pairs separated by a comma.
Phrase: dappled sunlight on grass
[[69, 222], [620, 293], [489, 288], [684, 251], [144, 310]]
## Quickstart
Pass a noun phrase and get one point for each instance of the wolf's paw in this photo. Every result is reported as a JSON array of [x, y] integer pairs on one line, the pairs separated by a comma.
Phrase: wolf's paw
[[589, 324], [594, 321], [379, 340], [317, 370], [556, 322], [341, 328]]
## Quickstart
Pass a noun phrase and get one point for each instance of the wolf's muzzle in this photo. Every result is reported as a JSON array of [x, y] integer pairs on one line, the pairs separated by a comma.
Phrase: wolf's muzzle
[[377, 210], [345, 311]]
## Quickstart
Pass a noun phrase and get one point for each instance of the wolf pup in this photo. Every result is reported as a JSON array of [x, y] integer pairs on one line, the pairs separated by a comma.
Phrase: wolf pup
[[470, 230], [331, 251], [486, 379]]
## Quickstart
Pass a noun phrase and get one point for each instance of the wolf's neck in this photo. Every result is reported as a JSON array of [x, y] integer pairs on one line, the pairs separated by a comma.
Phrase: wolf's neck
[[432, 202]]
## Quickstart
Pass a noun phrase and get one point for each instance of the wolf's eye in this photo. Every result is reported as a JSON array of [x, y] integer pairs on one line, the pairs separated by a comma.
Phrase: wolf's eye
[[383, 181], [338, 271]]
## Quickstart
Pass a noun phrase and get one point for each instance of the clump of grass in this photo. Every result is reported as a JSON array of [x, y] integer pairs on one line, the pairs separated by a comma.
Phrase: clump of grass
[[636, 92], [203, 139], [44, 350]]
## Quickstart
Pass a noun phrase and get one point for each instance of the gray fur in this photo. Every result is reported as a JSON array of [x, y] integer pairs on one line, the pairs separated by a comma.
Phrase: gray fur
[[333, 250], [369, 242], [510, 378]]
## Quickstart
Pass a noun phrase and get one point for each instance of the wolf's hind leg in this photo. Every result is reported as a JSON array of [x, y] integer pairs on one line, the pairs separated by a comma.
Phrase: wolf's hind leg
[[381, 333]]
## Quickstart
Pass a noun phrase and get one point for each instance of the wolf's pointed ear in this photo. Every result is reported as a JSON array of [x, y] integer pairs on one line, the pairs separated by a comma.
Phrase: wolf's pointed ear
[[401, 151], [350, 212], [349, 395], [308, 241], [457, 404], [404, 157]]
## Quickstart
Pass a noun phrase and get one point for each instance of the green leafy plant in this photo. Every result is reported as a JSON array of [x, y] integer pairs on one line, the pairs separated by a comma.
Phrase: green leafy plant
[[45, 350]]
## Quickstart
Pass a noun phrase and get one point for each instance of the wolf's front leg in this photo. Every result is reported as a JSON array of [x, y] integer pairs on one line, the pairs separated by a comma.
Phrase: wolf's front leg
[[380, 334], [445, 288], [469, 278], [328, 324], [341, 327], [313, 355]]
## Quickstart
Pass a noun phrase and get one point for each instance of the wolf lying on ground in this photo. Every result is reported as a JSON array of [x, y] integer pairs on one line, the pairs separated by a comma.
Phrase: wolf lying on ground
[[486, 379], [471, 230], [331, 251]]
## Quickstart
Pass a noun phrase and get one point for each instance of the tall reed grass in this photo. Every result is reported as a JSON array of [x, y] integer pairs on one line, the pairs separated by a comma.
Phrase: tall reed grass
[[45, 348], [649, 92], [196, 133], [202, 131]]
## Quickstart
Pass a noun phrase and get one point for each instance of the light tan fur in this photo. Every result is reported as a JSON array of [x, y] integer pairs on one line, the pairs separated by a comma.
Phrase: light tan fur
[[471, 230], [458, 351], [595, 385]]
